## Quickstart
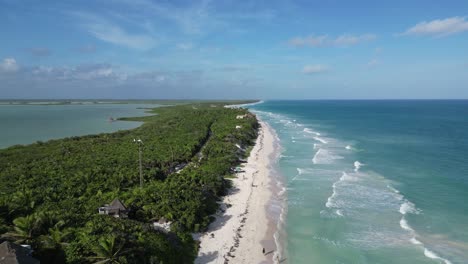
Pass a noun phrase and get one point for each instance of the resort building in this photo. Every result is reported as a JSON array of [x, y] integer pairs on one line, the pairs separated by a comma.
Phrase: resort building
[[115, 209]]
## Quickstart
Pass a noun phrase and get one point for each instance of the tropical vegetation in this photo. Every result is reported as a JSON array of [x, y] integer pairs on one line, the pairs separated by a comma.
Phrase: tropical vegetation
[[50, 191]]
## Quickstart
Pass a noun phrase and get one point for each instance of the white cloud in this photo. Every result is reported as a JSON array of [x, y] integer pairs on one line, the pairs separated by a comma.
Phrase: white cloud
[[314, 41], [199, 17], [347, 40], [325, 40], [314, 69], [192, 19], [184, 46], [439, 27], [39, 52], [9, 65], [234, 68], [110, 32], [116, 35], [373, 63]]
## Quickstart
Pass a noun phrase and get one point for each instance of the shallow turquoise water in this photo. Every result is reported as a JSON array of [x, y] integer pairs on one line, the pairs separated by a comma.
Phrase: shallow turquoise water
[[25, 124], [373, 181]]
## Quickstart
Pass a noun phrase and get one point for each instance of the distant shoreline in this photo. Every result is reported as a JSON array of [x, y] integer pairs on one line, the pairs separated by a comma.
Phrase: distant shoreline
[[113, 101]]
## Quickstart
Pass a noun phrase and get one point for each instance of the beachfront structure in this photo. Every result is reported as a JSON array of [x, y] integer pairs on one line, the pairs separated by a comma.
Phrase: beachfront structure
[[115, 209], [11, 253]]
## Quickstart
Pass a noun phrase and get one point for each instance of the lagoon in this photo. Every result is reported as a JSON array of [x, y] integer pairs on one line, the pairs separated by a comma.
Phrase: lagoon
[[26, 124]]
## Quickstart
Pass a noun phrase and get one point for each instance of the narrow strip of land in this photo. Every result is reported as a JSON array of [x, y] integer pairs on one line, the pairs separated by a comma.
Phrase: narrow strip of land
[[240, 233]]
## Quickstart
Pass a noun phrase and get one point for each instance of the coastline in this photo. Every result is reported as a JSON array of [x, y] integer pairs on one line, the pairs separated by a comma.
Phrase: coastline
[[244, 225]]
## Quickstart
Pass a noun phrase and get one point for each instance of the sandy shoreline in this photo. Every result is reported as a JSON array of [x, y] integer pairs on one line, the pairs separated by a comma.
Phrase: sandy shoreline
[[242, 228]]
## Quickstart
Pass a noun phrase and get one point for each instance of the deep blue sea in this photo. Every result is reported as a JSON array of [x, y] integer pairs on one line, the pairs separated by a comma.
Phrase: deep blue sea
[[373, 181]]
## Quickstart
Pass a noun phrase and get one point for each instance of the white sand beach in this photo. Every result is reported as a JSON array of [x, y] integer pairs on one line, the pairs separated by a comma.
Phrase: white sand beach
[[242, 228]]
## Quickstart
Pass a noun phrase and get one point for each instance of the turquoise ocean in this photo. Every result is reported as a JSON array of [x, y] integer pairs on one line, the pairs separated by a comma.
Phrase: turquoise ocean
[[372, 181], [26, 124]]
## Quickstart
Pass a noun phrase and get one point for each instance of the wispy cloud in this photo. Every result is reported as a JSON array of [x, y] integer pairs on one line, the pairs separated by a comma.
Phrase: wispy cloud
[[190, 18], [348, 40], [325, 40], [89, 48], [39, 52], [99, 80], [199, 17], [9, 65], [372, 63], [234, 68], [184, 46], [439, 27], [314, 69], [110, 32]]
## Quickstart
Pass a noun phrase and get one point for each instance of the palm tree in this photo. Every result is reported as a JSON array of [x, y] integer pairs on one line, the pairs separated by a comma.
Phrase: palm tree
[[108, 251], [25, 228], [56, 237]]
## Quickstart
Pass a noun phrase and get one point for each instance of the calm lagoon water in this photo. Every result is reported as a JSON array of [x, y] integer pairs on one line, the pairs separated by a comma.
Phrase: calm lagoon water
[[25, 124], [373, 181]]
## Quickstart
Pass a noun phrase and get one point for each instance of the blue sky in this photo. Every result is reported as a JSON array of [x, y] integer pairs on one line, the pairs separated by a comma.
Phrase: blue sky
[[234, 49]]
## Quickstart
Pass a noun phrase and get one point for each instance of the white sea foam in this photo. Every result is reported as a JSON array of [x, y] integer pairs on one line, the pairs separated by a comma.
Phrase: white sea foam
[[404, 224], [348, 147], [283, 190], [433, 255], [347, 177], [321, 140], [393, 189], [408, 207], [339, 212], [310, 131], [323, 156], [299, 173], [316, 146], [329, 203], [414, 241], [357, 166], [315, 158]]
